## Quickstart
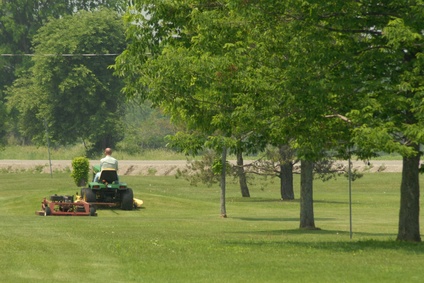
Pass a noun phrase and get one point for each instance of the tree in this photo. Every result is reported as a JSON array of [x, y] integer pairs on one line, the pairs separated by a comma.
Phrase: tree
[[307, 220], [393, 89], [286, 172], [228, 75], [145, 128], [20, 21], [380, 45], [77, 96], [192, 77], [277, 162], [241, 173], [2, 124], [304, 59]]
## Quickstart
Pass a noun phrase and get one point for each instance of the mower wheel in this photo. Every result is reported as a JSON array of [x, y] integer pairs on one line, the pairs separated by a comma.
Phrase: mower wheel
[[127, 199], [47, 211], [88, 195], [92, 211]]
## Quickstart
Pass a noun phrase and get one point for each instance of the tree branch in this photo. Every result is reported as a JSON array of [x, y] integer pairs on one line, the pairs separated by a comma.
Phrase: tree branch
[[367, 31], [344, 118]]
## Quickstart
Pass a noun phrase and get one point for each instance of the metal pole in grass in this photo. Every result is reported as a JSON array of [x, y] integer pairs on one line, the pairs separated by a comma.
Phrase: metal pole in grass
[[48, 147], [350, 198]]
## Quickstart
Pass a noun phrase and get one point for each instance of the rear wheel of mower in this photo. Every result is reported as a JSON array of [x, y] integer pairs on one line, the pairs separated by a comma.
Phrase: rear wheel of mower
[[88, 195], [127, 199]]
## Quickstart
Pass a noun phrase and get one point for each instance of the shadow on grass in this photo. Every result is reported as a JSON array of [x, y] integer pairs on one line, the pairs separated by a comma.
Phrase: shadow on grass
[[328, 232], [343, 245], [331, 201], [276, 219], [279, 219], [318, 232], [242, 199], [270, 200], [117, 210]]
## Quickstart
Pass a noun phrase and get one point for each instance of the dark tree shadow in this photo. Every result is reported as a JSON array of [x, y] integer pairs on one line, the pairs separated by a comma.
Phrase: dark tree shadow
[[344, 245], [280, 219]]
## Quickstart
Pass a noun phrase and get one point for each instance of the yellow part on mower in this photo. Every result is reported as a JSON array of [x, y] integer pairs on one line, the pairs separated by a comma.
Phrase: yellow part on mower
[[137, 202]]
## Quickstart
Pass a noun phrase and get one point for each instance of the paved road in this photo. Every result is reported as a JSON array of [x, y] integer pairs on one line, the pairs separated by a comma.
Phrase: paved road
[[164, 167]]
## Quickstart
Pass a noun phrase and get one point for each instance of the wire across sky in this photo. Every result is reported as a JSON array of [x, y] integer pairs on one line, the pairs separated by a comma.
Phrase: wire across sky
[[56, 55]]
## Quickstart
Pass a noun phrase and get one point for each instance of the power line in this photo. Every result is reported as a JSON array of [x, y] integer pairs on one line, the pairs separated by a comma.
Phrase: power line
[[60, 55]]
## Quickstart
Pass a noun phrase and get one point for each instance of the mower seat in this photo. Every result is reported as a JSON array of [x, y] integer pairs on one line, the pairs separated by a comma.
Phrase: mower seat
[[108, 175]]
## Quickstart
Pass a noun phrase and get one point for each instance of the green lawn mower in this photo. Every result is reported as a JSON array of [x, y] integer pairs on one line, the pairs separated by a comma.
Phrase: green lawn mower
[[108, 191]]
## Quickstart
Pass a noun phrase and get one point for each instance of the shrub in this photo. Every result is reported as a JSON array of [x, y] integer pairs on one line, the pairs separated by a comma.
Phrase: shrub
[[81, 168]]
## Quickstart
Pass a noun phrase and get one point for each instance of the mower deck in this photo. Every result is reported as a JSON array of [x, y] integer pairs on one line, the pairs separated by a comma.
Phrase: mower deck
[[65, 206]]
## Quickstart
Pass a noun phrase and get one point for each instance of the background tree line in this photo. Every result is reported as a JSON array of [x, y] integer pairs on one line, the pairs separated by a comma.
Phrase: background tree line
[[60, 89]]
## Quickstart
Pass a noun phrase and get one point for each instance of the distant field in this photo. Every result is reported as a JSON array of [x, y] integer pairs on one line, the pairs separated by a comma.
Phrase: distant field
[[179, 237]]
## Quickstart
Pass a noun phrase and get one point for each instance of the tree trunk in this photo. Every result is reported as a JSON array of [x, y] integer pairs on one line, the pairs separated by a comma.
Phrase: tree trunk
[[286, 173], [306, 196], [286, 181], [223, 182], [82, 182], [242, 175], [409, 224]]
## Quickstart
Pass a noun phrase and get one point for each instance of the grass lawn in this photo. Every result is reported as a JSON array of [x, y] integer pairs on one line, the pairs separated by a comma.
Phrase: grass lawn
[[179, 237]]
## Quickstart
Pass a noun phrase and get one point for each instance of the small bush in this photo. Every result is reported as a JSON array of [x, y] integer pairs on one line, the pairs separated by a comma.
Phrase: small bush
[[81, 168]]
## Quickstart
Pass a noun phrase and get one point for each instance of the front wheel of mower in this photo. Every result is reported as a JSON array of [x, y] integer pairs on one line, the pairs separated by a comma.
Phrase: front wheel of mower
[[127, 199], [92, 211], [47, 211]]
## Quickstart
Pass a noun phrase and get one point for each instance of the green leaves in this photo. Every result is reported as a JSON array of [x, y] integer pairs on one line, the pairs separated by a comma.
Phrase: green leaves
[[399, 35], [74, 94], [321, 73], [80, 170]]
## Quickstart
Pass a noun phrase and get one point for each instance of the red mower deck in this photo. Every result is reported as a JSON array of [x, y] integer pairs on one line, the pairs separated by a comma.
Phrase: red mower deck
[[66, 206]]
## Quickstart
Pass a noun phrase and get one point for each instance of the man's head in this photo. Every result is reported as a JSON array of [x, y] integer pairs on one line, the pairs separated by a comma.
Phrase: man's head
[[108, 151]]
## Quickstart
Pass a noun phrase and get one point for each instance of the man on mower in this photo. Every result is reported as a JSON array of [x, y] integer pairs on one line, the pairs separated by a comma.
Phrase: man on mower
[[107, 162]]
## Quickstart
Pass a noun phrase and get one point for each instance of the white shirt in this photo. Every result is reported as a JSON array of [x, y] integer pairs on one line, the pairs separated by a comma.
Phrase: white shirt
[[108, 162]]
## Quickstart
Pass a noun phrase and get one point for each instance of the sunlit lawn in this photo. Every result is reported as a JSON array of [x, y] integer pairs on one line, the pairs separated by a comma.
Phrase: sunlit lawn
[[179, 237]]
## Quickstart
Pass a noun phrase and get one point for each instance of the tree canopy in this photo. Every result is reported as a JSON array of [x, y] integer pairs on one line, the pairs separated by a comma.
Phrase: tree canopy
[[76, 96], [19, 22]]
